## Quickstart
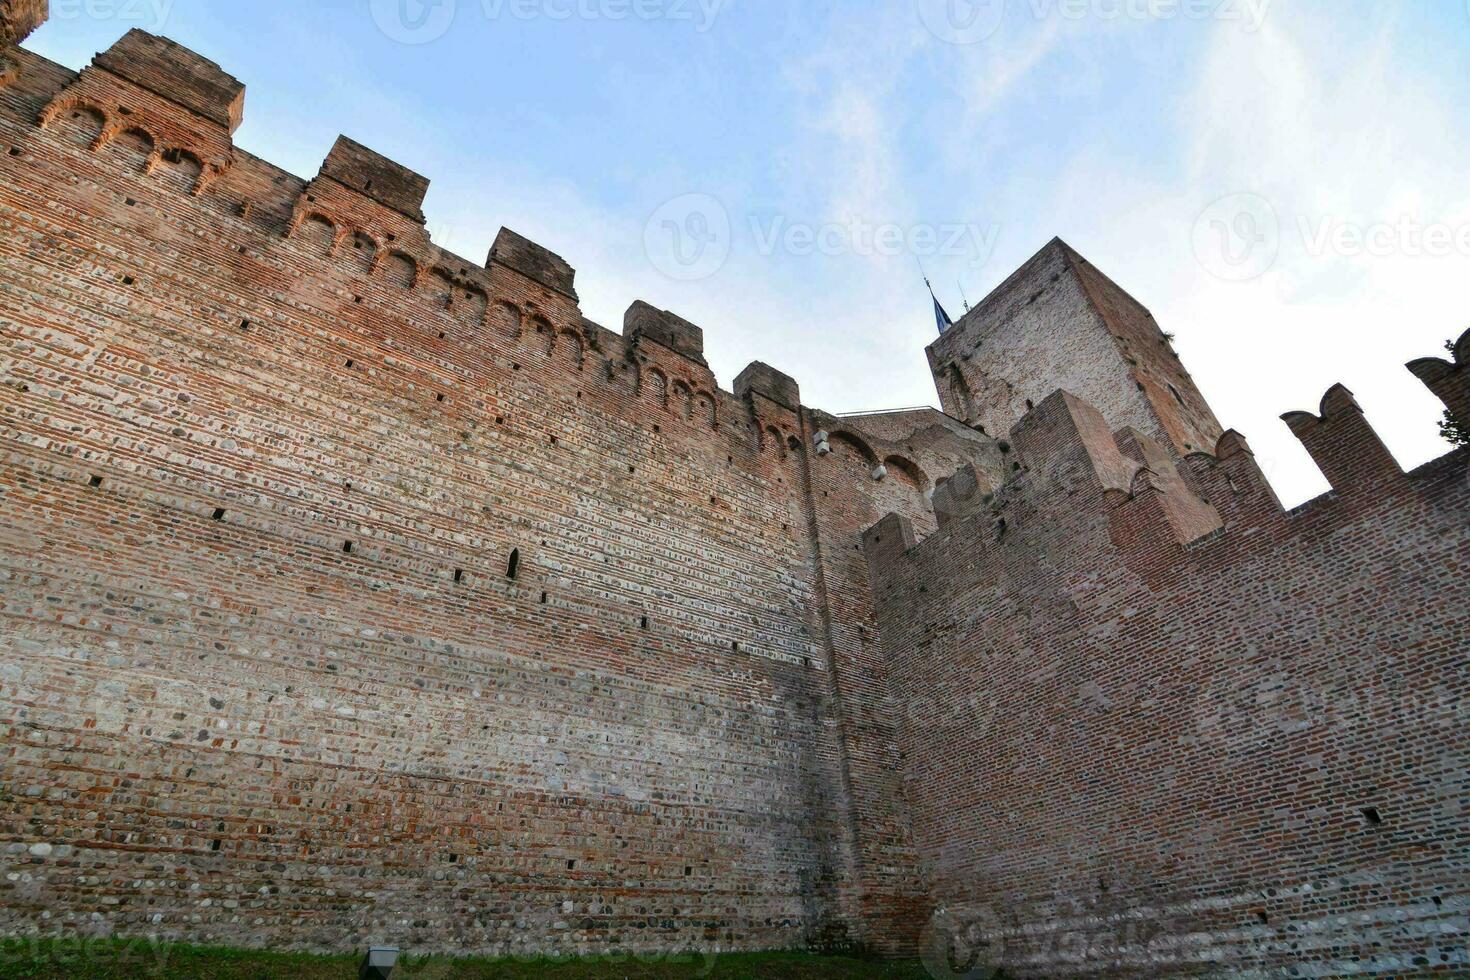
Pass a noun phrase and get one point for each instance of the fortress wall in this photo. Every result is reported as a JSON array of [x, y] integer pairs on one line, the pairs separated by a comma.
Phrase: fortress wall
[[266, 676], [1135, 750], [351, 590]]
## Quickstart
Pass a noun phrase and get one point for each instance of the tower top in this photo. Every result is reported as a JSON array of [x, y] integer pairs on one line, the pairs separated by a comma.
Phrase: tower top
[[1059, 322]]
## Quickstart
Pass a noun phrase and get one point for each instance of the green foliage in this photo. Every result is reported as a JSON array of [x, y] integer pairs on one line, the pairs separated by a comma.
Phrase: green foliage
[[142, 959], [1454, 433]]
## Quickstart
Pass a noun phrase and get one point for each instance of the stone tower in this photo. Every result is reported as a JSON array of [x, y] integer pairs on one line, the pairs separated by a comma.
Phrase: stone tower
[[1059, 322]]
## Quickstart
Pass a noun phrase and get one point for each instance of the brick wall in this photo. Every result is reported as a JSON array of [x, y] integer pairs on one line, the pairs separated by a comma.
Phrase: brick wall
[[352, 591], [268, 679], [1136, 747]]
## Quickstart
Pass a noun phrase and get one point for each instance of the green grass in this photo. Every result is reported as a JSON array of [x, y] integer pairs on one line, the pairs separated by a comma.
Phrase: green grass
[[140, 958]]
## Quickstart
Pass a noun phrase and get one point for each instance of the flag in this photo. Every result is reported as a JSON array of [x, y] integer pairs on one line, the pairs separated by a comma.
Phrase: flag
[[940, 317]]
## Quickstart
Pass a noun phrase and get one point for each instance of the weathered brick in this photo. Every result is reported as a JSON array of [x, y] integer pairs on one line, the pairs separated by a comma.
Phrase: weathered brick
[[352, 591]]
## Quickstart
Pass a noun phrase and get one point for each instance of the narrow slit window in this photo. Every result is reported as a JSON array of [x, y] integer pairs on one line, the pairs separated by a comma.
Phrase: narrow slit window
[[458, 575], [346, 547], [643, 623], [1374, 818], [349, 362], [95, 483], [513, 566], [219, 513]]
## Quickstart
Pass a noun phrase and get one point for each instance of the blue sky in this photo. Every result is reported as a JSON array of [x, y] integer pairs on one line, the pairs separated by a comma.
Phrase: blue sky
[[772, 169]]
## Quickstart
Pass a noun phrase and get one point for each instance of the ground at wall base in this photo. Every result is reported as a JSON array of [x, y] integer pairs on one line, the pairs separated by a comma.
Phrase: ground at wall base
[[116, 959]]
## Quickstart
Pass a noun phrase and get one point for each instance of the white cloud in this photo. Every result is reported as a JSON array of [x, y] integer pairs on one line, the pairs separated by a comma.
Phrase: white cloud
[[1335, 129]]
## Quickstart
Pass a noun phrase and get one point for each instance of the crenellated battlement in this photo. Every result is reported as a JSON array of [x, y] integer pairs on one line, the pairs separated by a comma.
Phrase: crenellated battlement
[[388, 571], [362, 215], [373, 175], [533, 261], [1062, 456], [1449, 380], [177, 74], [177, 109]]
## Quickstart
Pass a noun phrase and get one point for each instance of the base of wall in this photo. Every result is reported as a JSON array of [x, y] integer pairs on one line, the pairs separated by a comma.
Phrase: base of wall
[[147, 956]]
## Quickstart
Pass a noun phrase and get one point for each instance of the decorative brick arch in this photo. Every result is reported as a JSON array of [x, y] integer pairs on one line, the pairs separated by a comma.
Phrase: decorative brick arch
[[908, 471], [656, 383]]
